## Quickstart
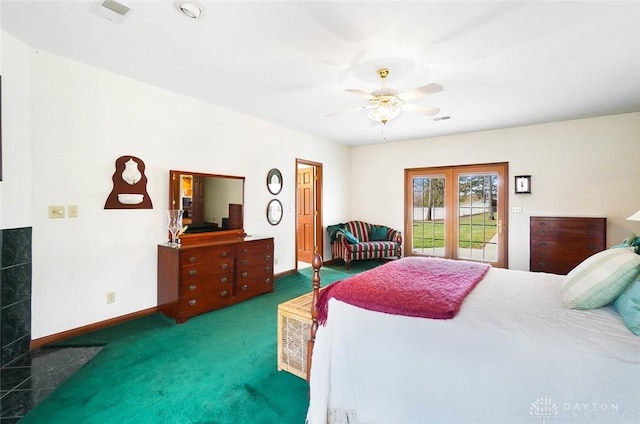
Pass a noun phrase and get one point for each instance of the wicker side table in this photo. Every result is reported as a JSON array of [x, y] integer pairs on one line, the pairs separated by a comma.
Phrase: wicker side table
[[294, 330]]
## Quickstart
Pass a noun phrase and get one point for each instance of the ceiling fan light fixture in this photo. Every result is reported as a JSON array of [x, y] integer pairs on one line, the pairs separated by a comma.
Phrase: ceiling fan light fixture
[[385, 108]]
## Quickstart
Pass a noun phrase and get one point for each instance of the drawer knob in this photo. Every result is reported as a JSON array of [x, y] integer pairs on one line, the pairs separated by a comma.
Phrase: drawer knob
[[267, 268], [244, 287], [267, 281], [267, 247], [224, 254], [542, 244], [268, 257], [192, 272], [192, 302], [543, 232], [542, 264], [244, 262], [591, 247], [245, 274], [542, 224], [223, 280], [244, 250], [224, 266], [192, 287], [224, 293], [192, 258]]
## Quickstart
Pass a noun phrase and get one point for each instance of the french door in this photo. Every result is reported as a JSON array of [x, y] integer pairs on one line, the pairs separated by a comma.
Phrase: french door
[[457, 212]]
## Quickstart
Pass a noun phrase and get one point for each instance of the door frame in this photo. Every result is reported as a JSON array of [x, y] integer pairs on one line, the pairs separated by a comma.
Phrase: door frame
[[451, 173], [317, 193]]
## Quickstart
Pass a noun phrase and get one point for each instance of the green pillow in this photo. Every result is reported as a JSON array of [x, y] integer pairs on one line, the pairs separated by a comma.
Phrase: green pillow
[[351, 239], [628, 306], [378, 233], [333, 230], [600, 279]]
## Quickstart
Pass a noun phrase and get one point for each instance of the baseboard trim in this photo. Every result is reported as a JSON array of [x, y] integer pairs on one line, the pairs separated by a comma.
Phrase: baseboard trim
[[58, 337]]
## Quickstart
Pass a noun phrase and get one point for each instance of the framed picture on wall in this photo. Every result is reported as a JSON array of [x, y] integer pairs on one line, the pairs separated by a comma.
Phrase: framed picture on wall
[[523, 184]]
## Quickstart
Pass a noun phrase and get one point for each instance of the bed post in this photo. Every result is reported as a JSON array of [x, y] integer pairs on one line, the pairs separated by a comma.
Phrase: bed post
[[316, 263]]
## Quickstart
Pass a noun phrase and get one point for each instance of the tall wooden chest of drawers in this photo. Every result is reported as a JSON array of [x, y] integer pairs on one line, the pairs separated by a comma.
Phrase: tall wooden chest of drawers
[[199, 278], [559, 244]]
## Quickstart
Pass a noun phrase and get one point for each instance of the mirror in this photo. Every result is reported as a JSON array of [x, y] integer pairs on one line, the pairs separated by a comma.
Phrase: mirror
[[274, 212], [212, 204], [274, 181]]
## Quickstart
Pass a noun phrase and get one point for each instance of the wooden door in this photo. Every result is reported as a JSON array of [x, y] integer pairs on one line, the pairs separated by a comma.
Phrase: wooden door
[[197, 200], [306, 214]]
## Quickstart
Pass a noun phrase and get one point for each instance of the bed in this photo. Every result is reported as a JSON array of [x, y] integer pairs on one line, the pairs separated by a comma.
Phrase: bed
[[512, 353]]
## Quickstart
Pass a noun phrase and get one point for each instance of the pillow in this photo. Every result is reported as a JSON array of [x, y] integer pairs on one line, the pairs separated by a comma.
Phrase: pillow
[[628, 306], [333, 230], [351, 239], [600, 279], [378, 233]]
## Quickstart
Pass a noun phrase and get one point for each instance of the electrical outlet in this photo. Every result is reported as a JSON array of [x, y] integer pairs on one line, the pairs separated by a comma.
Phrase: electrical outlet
[[111, 297], [275, 261], [56, 211], [72, 211]]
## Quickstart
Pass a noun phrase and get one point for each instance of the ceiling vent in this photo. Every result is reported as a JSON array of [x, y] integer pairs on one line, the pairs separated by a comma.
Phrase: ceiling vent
[[113, 10]]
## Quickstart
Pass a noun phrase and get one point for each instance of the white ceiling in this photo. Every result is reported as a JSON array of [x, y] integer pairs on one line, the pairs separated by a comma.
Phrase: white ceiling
[[501, 64]]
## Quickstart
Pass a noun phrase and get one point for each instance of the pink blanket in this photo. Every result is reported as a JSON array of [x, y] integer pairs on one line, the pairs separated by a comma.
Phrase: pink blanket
[[412, 286]]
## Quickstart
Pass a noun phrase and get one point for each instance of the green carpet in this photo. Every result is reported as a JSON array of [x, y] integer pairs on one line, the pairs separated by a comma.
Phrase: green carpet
[[218, 367]]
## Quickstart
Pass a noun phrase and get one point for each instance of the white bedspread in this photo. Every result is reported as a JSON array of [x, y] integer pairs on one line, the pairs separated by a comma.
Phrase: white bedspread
[[512, 355]]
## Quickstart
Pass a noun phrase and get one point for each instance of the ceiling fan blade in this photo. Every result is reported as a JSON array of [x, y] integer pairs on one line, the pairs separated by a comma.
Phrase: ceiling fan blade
[[420, 91], [425, 110], [360, 93], [355, 109]]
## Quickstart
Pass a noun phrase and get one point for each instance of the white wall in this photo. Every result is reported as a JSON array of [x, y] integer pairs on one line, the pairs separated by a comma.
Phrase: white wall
[[15, 188], [73, 121], [579, 168]]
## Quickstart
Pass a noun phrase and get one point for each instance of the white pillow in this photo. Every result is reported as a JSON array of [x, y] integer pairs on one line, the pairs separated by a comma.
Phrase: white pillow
[[600, 279]]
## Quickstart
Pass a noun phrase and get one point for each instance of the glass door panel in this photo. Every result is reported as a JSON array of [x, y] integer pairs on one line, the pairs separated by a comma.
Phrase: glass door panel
[[478, 217], [428, 215]]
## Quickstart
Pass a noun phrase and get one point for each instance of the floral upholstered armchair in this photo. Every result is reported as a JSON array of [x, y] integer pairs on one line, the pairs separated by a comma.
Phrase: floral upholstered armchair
[[355, 240]]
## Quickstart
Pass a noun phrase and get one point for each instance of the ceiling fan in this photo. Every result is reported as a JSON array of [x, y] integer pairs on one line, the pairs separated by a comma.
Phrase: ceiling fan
[[386, 103]]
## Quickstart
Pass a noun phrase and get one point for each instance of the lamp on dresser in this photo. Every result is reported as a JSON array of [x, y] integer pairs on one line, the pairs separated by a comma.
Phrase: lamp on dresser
[[634, 217]]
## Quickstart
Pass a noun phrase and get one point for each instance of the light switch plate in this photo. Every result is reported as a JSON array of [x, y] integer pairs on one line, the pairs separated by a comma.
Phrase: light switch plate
[[72, 211], [56, 211]]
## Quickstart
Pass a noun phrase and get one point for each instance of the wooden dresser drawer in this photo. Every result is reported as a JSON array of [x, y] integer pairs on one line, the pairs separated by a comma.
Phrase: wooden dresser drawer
[[204, 302], [195, 279], [256, 247], [559, 244]]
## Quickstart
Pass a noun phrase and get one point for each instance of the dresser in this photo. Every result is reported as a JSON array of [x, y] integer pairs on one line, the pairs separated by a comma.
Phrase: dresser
[[199, 278], [559, 244]]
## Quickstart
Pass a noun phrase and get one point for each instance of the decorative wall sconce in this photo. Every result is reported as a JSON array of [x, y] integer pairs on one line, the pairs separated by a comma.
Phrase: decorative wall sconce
[[129, 185], [523, 184]]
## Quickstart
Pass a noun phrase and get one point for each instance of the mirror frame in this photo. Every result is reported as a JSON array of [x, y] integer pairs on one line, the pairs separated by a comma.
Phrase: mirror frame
[[202, 237], [274, 203], [274, 172]]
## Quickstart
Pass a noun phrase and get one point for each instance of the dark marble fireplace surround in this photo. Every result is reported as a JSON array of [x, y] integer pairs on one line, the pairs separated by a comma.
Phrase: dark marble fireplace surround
[[15, 302], [26, 377]]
